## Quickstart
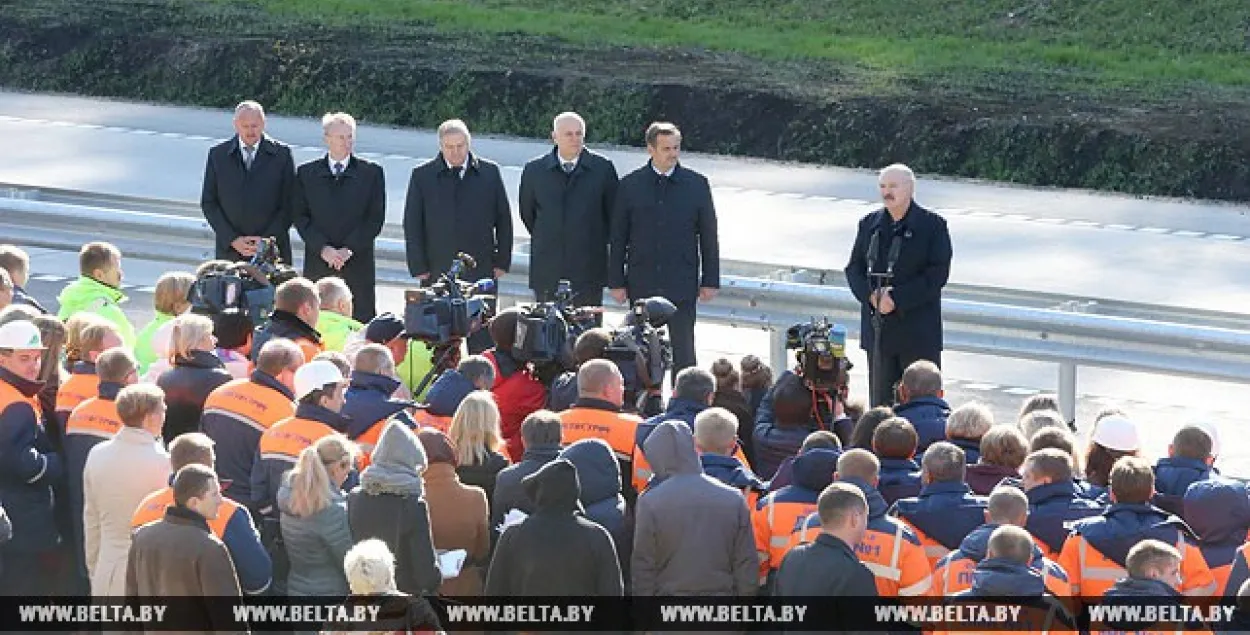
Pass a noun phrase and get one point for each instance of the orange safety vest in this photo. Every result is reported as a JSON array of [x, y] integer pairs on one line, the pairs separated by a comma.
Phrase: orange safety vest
[[891, 552], [774, 523], [618, 429], [77, 389], [425, 419], [10, 395], [1091, 573], [287, 438], [152, 509], [251, 404], [96, 417]]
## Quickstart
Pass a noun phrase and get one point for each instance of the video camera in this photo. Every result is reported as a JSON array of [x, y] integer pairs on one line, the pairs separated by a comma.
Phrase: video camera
[[450, 309], [642, 351], [245, 286], [546, 332], [821, 354]]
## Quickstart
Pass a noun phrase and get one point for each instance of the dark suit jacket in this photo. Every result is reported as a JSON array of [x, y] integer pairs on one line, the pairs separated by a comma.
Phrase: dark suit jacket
[[663, 229], [568, 218], [241, 202], [347, 211], [445, 215], [924, 263]]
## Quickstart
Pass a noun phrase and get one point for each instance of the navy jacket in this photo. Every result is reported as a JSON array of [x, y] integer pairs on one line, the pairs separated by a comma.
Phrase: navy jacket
[[730, 471], [773, 444], [268, 473], [1123, 525], [75, 449], [813, 472], [369, 401], [238, 201], [1052, 507], [900, 478], [445, 214], [28, 468], [599, 476], [924, 262], [1130, 591], [446, 393], [945, 512], [928, 416], [237, 444], [1218, 512], [1172, 477], [509, 493], [999, 579], [678, 409], [663, 235]]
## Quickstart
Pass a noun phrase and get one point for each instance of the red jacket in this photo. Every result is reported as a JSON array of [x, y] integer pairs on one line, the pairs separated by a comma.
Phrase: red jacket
[[517, 393]]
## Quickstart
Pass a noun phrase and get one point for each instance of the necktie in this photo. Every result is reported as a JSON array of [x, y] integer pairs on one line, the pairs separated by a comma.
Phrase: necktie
[[457, 171], [568, 167], [249, 155], [338, 169]]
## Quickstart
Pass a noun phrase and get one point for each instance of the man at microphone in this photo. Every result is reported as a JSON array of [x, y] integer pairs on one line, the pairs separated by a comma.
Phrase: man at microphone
[[899, 263]]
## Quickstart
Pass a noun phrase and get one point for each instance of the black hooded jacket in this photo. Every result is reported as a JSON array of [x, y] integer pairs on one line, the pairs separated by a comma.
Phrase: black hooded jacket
[[555, 551]]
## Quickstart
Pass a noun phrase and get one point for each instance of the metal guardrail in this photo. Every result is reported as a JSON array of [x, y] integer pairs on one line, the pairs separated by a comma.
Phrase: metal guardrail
[[1207, 345]]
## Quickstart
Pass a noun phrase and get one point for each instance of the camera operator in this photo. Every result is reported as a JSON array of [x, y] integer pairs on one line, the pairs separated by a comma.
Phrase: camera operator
[[786, 416], [475, 372], [592, 344], [233, 330], [597, 415], [516, 390], [296, 307]]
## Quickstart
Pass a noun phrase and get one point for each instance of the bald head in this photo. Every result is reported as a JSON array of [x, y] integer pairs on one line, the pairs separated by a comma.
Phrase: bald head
[[600, 379], [1007, 506], [858, 464]]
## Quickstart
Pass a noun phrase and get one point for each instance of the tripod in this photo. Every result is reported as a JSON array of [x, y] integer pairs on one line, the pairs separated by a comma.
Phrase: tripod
[[445, 356]]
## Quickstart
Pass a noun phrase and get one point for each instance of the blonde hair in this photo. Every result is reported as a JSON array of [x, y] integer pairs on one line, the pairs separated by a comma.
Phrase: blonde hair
[[309, 480], [715, 430], [75, 326], [188, 331], [170, 296], [137, 401], [475, 428]]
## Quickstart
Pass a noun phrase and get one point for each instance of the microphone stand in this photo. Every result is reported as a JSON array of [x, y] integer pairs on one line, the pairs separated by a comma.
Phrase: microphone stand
[[877, 282]]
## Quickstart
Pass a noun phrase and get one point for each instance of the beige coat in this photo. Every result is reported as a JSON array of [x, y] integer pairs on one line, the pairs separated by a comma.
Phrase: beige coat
[[118, 474]]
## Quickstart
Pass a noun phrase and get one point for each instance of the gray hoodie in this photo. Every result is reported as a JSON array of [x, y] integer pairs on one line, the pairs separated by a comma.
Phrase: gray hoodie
[[693, 534]]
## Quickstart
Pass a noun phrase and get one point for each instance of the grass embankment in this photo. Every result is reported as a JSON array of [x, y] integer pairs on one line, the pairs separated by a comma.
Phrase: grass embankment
[[1095, 46]]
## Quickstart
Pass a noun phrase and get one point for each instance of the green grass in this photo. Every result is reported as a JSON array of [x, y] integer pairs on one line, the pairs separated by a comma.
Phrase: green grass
[[1109, 43]]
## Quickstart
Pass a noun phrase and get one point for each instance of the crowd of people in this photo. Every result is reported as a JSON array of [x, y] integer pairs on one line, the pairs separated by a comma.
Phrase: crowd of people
[[197, 456]]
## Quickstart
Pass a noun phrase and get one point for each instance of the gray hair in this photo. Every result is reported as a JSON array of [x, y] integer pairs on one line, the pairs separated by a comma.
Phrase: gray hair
[[332, 290], [970, 421], [376, 359], [695, 384], [6, 281], [898, 168], [568, 116], [475, 367], [370, 568], [247, 106], [454, 126], [331, 118], [944, 463]]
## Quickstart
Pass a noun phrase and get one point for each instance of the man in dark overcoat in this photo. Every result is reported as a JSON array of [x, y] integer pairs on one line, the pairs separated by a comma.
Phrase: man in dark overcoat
[[914, 246], [457, 203], [339, 207], [247, 188], [566, 203], [664, 239]]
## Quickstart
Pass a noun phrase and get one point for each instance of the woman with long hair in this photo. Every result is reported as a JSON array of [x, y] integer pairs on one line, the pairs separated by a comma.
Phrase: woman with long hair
[[196, 372], [479, 444], [314, 517]]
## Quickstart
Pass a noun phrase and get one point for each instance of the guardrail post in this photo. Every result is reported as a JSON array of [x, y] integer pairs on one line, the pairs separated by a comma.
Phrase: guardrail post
[[777, 350], [1067, 390]]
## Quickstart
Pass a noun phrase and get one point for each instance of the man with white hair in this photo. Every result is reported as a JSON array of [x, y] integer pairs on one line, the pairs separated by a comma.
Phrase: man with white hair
[[566, 202], [899, 263], [247, 188], [339, 208], [457, 203]]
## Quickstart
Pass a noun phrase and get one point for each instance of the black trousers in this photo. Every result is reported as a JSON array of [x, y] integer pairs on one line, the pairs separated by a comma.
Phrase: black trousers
[[892, 367], [681, 332]]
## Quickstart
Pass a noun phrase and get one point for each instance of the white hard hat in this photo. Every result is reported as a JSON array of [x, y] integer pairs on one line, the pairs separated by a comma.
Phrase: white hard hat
[[1117, 433], [314, 376], [20, 335]]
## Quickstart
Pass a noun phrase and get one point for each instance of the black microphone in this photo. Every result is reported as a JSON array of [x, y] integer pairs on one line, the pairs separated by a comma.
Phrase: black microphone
[[892, 257], [468, 260], [873, 244]]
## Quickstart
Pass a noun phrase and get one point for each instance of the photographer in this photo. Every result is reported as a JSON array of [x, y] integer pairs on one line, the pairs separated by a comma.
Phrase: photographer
[[590, 345], [787, 415], [296, 307], [516, 390], [233, 330]]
